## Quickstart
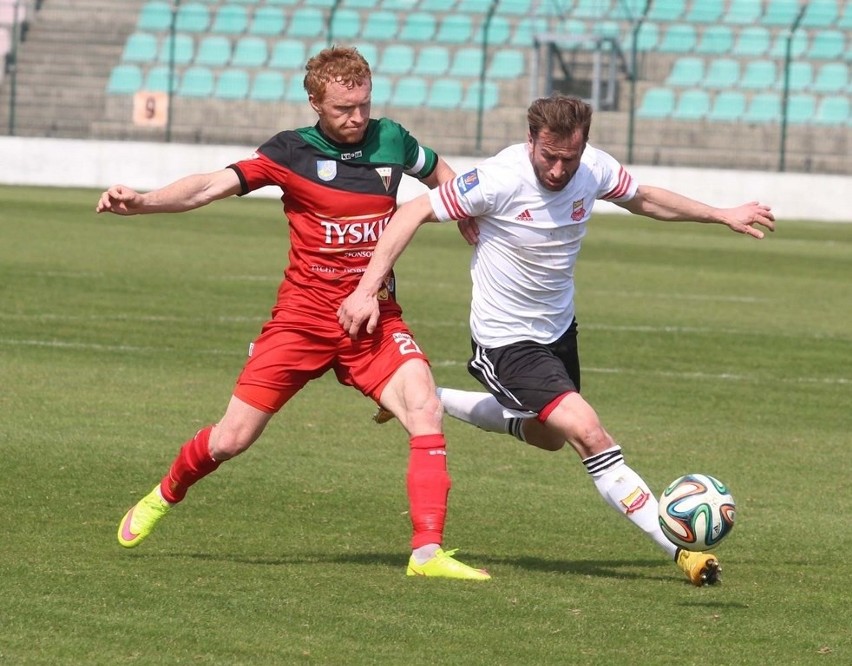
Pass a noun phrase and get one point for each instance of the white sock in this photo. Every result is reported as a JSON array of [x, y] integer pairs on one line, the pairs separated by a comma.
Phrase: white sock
[[476, 408], [626, 491], [425, 553]]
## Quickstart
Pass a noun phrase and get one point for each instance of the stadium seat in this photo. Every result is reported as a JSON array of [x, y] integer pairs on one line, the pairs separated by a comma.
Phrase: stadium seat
[[295, 90], [380, 26], [345, 25], [666, 10], [267, 21], [232, 84], [798, 45], [507, 64], [157, 79], [381, 89], [526, 29], [410, 91], [687, 72], [396, 59], [488, 95], [657, 104], [819, 13], [764, 107], [759, 75], [833, 110], [722, 73], [192, 17], [845, 20], [213, 51], [124, 80], [728, 106], [832, 77], [369, 51], [467, 62], [306, 22], [183, 52], [515, 7], [478, 7], [693, 104], [628, 10], [287, 54], [322, 4], [592, 9], [715, 40], [647, 39], [230, 19], [401, 6], [499, 31], [678, 38], [801, 76], [752, 42], [455, 29], [267, 86], [742, 12], [360, 4], [827, 45], [801, 109], [287, 3], [418, 27], [155, 16], [780, 13], [705, 11], [250, 51], [445, 94], [197, 81], [432, 61], [140, 47]]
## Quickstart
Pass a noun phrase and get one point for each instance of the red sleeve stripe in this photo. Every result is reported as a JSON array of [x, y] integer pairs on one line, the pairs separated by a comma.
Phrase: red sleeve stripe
[[450, 201], [624, 181]]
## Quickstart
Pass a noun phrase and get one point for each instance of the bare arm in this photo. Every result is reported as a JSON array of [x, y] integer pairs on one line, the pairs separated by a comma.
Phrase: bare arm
[[661, 204], [185, 194], [362, 305]]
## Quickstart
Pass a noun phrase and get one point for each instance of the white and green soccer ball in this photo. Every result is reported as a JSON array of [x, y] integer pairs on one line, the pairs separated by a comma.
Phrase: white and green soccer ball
[[696, 512]]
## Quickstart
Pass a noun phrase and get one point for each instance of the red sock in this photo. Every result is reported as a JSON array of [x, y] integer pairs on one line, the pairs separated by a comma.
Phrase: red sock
[[428, 488], [192, 464]]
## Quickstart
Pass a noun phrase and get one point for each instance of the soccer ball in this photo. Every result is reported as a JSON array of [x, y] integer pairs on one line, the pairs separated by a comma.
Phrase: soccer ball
[[696, 512]]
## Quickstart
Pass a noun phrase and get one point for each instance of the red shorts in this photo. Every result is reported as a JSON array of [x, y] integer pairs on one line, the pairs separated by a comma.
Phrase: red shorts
[[297, 346]]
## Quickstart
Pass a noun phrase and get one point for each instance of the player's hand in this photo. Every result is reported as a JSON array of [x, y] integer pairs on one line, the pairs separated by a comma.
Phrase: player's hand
[[356, 309], [119, 199], [743, 218], [469, 230]]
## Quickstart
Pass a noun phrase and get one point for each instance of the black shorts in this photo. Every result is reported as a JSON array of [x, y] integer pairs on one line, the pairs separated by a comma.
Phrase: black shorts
[[527, 375]]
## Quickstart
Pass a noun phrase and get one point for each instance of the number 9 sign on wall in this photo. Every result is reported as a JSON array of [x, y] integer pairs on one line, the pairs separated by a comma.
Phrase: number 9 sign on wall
[[150, 108]]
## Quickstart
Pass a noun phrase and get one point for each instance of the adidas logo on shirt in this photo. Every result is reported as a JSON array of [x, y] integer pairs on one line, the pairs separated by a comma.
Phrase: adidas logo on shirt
[[524, 217]]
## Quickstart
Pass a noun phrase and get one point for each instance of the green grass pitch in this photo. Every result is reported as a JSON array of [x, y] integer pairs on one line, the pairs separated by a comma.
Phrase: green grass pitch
[[703, 351]]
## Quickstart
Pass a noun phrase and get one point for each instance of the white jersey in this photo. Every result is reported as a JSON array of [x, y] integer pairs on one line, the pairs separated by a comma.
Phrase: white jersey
[[529, 237]]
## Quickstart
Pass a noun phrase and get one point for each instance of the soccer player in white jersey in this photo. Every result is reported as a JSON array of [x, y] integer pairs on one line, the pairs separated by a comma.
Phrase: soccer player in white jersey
[[526, 210]]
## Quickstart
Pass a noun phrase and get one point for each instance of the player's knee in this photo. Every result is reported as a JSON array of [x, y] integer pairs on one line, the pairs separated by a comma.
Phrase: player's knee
[[227, 443]]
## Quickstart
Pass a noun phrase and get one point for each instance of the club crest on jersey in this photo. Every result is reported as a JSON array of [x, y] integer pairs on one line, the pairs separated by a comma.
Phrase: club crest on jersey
[[635, 501], [579, 211], [385, 174], [467, 181], [326, 169]]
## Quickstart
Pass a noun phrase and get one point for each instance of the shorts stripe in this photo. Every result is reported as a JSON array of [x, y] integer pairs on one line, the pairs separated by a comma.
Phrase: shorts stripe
[[482, 364]]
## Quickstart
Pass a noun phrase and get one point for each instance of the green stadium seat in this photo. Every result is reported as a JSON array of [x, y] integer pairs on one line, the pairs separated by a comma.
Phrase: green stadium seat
[[410, 91], [743, 12], [728, 106], [845, 20], [832, 77], [666, 10], [267, 86], [798, 45], [267, 21], [360, 4], [213, 51], [295, 90], [155, 16], [507, 64], [197, 81], [820, 14], [628, 10], [287, 54], [780, 13], [157, 79], [488, 95], [432, 61], [678, 38], [306, 22], [192, 17], [687, 72], [322, 4], [722, 73], [439, 7], [250, 51], [140, 47], [345, 25], [478, 7], [380, 26], [705, 11], [827, 45], [499, 31], [715, 40], [401, 6], [232, 84], [515, 7], [445, 93], [455, 29], [647, 39], [396, 59], [592, 9], [801, 109], [124, 80], [183, 52], [286, 3], [801, 76], [764, 107], [230, 19], [657, 104], [691, 104], [526, 29], [598, 28], [833, 110], [382, 89], [759, 75], [418, 27], [752, 42], [369, 50], [467, 62]]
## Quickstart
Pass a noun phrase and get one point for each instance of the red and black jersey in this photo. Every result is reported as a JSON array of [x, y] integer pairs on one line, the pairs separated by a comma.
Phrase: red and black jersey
[[337, 198]]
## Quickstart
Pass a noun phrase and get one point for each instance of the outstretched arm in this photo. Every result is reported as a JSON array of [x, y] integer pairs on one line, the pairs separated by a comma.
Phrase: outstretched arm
[[185, 194], [362, 305], [661, 204]]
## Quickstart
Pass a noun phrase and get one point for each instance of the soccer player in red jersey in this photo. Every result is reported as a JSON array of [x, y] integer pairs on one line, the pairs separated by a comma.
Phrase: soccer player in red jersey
[[339, 180]]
